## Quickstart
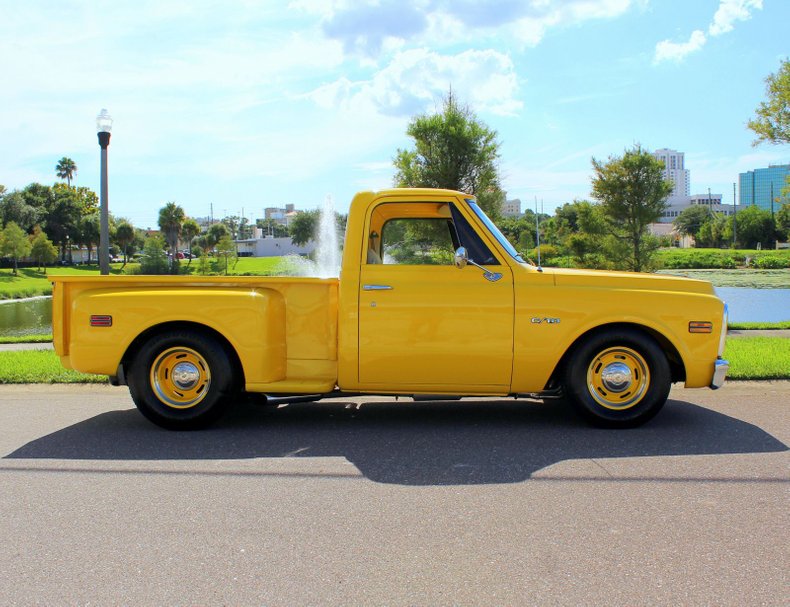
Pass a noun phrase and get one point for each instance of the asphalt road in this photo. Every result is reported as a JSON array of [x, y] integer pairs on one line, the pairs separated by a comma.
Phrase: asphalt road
[[369, 502]]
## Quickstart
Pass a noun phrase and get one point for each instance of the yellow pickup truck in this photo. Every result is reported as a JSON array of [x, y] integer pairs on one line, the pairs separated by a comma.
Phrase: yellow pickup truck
[[431, 300]]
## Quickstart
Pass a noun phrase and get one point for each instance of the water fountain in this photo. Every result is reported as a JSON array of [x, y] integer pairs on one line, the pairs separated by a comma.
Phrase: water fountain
[[327, 252]]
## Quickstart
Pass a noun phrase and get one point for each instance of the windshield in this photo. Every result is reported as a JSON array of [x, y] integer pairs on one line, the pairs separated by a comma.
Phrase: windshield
[[495, 231]]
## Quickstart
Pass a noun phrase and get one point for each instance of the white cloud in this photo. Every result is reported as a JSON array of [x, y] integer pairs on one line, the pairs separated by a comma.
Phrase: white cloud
[[729, 12], [417, 79], [666, 50], [726, 15], [367, 28]]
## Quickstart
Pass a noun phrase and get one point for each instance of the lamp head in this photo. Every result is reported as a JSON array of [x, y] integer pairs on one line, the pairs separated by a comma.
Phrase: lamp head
[[103, 122]]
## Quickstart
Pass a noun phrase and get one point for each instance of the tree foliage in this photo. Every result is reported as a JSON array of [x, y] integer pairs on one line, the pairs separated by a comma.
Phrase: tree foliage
[[41, 248], [453, 150], [783, 221], [632, 192], [772, 121], [303, 227], [755, 226], [124, 236], [14, 243], [154, 259], [691, 220], [171, 218]]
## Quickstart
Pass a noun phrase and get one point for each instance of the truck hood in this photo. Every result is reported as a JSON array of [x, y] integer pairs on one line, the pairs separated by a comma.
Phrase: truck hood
[[629, 280]]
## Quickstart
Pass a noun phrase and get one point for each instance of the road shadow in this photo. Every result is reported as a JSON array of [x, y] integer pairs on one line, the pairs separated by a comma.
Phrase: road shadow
[[466, 442]]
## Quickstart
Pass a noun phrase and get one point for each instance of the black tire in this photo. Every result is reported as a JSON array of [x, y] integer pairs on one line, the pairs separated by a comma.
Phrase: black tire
[[182, 380], [618, 379]]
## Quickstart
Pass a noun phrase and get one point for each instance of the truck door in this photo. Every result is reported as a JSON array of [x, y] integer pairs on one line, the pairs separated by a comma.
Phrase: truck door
[[424, 324]]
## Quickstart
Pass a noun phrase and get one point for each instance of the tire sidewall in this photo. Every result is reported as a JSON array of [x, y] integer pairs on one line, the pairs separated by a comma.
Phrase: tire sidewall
[[657, 392], [202, 414]]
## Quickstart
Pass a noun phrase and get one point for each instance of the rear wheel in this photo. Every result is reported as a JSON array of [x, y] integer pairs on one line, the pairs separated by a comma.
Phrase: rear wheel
[[182, 380], [618, 379]]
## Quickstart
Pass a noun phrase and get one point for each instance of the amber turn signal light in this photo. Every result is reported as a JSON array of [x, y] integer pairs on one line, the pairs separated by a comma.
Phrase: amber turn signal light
[[698, 326]]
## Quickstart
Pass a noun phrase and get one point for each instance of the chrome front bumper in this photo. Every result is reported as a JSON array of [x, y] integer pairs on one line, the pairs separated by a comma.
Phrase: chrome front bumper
[[720, 369]]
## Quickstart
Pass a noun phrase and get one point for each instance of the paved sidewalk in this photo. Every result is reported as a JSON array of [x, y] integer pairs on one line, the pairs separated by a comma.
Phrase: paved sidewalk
[[26, 346]]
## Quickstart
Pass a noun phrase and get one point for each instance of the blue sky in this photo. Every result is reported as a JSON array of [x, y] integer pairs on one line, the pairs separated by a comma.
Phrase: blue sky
[[248, 104]]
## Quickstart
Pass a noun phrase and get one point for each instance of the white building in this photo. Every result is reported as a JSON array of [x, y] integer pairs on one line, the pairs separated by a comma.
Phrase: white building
[[676, 172], [511, 208]]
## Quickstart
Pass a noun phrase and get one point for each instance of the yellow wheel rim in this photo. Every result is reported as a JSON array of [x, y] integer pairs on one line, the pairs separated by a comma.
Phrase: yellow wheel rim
[[618, 378], [180, 377]]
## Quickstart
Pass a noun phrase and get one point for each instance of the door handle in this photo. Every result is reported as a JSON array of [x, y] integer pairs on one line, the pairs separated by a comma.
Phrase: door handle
[[376, 288]]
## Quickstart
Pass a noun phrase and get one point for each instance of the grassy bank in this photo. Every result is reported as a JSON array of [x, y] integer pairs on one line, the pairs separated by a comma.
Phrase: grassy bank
[[31, 282], [750, 358], [747, 278]]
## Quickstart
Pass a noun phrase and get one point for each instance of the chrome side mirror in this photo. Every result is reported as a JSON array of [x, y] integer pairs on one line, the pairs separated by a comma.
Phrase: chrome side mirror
[[461, 258]]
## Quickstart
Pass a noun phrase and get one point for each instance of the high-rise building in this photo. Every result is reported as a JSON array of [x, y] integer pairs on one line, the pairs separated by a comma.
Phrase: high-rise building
[[676, 172], [757, 186]]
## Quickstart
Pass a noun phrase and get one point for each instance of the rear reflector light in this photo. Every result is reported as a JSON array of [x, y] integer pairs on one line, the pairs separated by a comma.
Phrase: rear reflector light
[[700, 327], [101, 320]]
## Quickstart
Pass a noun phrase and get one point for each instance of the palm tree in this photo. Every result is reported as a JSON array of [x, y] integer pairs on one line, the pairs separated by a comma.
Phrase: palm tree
[[65, 169], [189, 230], [171, 218], [124, 235]]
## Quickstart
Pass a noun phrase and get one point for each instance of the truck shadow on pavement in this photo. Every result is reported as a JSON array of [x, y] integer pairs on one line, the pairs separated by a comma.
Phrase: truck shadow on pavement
[[406, 443]]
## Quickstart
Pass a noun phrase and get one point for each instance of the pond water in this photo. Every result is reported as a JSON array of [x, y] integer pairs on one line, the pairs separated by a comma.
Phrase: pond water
[[33, 316], [26, 317], [756, 305]]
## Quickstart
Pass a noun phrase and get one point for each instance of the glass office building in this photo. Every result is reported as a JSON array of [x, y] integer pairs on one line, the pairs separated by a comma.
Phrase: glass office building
[[757, 186]]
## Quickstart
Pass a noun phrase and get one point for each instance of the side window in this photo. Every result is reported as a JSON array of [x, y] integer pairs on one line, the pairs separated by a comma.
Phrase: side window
[[418, 241]]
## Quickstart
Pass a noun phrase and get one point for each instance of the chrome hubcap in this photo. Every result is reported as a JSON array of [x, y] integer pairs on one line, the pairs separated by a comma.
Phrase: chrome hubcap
[[185, 375], [616, 377]]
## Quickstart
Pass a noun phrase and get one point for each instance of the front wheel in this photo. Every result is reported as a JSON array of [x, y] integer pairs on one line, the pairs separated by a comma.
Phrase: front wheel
[[182, 380], [619, 379]]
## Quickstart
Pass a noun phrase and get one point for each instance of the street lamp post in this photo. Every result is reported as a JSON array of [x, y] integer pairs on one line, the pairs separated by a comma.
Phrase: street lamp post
[[103, 128]]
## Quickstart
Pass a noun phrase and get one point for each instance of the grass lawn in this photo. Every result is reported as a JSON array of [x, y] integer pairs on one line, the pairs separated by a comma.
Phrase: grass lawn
[[750, 358], [758, 357], [40, 367]]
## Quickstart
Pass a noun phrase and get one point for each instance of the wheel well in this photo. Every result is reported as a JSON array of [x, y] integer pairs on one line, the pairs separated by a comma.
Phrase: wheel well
[[676, 367], [138, 342]]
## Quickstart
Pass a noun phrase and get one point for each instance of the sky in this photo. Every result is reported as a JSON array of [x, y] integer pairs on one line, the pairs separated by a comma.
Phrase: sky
[[240, 105]]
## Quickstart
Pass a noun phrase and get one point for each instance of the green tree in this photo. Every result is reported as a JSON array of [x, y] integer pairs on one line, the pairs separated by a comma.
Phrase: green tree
[[154, 259], [65, 169], [14, 243], [15, 207], [171, 218], [715, 231], [42, 249], [772, 123], [783, 221], [632, 192], [215, 233], [88, 230], [226, 250], [124, 236], [691, 220], [189, 230], [755, 226], [453, 150], [303, 226]]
